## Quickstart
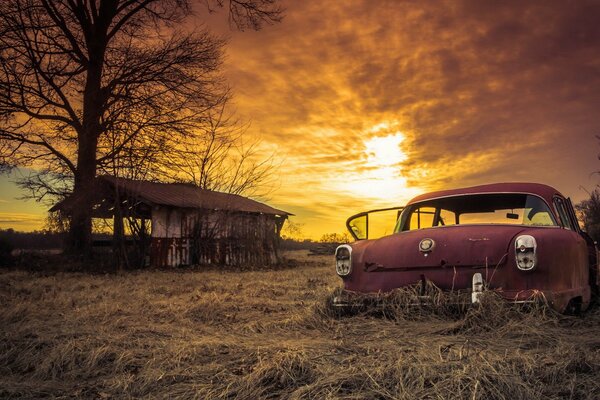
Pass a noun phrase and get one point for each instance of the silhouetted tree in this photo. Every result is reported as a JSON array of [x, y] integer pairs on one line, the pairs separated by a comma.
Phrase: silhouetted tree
[[335, 238], [589, 213], [83, 83], [220, 158], [292, 230]]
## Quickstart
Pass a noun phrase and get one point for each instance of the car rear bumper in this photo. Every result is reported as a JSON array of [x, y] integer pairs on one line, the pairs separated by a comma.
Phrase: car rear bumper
[[558, 300], [351, 300]]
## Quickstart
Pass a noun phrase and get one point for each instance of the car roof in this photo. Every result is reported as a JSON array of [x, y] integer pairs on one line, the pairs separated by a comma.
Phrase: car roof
[[544, 191]]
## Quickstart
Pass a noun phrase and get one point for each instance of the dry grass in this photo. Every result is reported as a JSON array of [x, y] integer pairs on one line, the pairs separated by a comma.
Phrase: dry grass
[[271, 334]]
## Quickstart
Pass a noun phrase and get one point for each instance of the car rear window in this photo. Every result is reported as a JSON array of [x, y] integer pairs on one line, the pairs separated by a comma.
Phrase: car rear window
[[500, 208]]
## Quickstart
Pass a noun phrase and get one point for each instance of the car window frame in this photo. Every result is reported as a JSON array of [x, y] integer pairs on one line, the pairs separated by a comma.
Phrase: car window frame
[[366, 215], [559, 203], [551, 207], [572, 215]]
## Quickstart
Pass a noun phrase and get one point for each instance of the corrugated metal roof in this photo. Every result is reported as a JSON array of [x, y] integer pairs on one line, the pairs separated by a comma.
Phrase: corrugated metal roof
[[179, 195]]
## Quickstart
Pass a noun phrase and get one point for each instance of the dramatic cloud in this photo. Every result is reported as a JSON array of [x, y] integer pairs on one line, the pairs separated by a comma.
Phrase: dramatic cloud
[[478, 91]]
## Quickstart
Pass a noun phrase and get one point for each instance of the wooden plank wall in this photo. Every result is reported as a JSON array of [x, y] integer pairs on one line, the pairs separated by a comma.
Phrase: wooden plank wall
[[184, 237]]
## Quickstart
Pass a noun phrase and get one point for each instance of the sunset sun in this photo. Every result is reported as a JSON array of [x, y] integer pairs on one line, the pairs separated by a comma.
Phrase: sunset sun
[[384, 153], [379, 176], [382, 177]]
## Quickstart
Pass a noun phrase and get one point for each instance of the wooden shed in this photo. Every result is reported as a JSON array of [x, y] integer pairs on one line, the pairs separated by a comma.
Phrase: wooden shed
[[190, 225]]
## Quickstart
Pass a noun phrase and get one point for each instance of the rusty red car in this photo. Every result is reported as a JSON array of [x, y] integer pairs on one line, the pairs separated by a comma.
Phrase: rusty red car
[[519, 240]]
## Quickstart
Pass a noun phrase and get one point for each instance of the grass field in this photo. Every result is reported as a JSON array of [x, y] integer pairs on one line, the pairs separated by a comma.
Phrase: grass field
[[268, 334]]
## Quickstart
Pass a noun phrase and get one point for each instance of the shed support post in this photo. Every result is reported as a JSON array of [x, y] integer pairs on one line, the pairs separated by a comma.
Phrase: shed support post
[[118, 239]]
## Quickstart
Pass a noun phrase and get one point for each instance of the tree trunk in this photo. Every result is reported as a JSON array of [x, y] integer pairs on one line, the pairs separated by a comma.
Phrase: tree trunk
[[80, 231], [83, 191]]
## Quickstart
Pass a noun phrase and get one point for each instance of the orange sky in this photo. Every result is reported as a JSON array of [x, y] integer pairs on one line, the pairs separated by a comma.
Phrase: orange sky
[[367, 104]]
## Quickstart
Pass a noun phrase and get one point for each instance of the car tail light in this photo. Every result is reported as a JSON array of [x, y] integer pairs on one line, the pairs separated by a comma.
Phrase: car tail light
[[343, 260], [525, 249]]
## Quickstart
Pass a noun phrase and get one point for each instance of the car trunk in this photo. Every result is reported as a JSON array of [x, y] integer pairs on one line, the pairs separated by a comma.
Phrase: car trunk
[[458, 252]]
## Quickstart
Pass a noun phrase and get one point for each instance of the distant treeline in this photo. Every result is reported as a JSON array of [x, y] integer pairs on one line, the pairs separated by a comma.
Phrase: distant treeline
[[293, 244], [31, 240], [39, 240], [51, 240]]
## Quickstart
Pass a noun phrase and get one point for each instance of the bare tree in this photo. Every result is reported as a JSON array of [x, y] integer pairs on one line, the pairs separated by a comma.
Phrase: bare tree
[[221, 158], [248, 14], [82, 83], [292, 230]]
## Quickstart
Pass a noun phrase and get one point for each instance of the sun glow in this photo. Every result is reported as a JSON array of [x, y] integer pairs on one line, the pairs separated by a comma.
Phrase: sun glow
[[385, 152], [380, 177]]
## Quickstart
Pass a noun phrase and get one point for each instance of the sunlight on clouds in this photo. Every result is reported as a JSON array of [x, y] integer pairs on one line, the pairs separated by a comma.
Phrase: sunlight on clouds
[[21, 221], [373, 105], [345, 170]]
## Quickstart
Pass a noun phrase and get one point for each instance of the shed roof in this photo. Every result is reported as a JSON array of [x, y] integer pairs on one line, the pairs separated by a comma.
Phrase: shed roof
[[180, 195], [544, 191]]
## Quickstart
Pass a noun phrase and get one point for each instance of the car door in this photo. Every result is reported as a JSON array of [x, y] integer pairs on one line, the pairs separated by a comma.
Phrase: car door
[[591, 247]]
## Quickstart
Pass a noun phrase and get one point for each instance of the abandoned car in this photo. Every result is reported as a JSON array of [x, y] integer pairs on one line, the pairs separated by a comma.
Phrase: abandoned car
[[521, 240]]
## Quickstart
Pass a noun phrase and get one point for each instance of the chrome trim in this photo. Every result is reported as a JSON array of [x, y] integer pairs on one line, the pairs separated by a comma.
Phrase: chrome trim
[[346, 246], [430, 248], [522, 249]]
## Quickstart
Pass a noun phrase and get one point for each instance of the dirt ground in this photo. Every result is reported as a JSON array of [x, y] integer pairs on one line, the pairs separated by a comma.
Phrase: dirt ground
[[268, 334]]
